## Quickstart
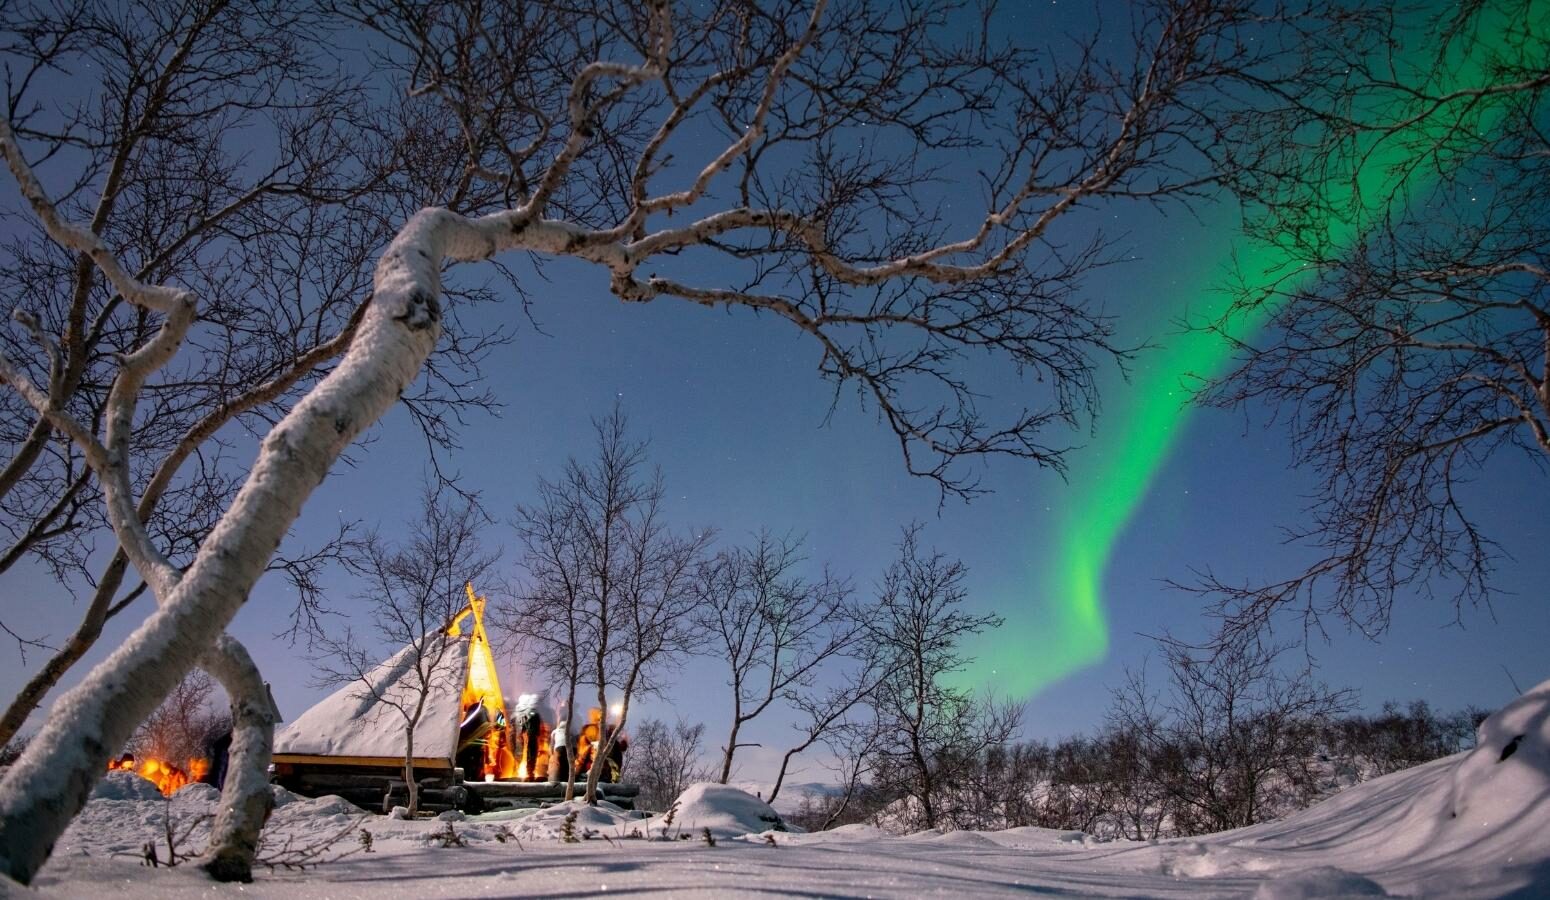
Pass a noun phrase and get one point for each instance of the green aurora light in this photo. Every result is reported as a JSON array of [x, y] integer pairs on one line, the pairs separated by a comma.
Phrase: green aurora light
[[1063, 627]]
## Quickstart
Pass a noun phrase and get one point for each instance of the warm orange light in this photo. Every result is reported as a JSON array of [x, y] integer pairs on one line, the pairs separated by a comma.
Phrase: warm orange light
[[506, 751], [166, 776]]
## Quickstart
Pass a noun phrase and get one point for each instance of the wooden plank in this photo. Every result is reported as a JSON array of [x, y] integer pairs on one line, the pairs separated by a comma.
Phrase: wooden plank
[[420, 762], [545, 790]]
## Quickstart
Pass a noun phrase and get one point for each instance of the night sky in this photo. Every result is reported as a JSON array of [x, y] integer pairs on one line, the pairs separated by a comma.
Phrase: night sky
[[736, 417]]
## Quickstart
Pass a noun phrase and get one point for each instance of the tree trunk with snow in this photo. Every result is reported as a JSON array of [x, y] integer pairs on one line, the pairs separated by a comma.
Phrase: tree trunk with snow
[[731, 747], [600, 746], [53, 778], [570, 739], [246, 798]]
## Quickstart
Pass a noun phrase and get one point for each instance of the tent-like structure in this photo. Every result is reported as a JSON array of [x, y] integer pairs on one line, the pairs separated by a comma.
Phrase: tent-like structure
[[464, 722]]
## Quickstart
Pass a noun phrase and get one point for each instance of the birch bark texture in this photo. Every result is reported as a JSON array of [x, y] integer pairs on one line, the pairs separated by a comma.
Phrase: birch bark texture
[[560, 151]]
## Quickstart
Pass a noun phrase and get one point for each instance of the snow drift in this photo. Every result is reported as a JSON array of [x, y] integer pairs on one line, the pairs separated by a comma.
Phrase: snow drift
[[726, 811], [1474, 823]]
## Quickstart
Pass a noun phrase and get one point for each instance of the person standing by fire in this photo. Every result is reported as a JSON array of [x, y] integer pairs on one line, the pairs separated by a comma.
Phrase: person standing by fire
[[616, 756], [559, 753], [529, 731], [587, 741]]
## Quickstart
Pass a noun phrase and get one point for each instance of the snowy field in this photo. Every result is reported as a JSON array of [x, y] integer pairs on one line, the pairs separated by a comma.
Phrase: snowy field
[[1471, 825]]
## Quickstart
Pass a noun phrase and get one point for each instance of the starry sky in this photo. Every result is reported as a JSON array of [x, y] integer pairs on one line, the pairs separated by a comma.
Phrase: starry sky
[[739, 423]]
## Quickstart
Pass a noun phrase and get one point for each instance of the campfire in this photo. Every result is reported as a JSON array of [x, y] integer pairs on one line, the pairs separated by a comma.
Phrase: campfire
[[166, 776]]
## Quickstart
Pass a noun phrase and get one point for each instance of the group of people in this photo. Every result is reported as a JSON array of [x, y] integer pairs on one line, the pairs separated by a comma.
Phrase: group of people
[[589, 742]]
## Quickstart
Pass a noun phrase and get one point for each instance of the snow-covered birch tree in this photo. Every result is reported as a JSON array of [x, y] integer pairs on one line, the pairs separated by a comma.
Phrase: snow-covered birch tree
[[277, 242], [801, 144]]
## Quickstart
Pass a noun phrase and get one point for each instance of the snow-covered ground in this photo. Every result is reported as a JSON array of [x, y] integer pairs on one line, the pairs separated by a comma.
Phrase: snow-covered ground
[[1472, 825]]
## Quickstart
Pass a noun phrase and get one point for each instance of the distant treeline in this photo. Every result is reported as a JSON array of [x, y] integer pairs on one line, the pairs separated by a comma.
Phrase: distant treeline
[[1143, 777]]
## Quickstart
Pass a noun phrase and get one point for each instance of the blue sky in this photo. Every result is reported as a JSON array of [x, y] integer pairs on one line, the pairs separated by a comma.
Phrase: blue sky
[[736, 419]]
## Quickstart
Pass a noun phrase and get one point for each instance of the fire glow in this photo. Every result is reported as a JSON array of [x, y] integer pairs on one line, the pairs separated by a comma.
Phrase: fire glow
[[495, 745], [167, 777]]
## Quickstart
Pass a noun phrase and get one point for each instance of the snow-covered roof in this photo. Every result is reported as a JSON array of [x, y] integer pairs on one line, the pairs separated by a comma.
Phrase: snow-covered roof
[[350, 722]]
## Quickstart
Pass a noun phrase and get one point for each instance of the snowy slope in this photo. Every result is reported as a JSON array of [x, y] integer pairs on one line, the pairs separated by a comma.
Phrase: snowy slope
[[789, 800], [1460, 825], [1472, 825]]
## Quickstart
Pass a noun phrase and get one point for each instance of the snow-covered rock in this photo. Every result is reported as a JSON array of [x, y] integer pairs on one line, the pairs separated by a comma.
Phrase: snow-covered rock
[[726, 811], [125, 786], [282, 796], [198, 792]]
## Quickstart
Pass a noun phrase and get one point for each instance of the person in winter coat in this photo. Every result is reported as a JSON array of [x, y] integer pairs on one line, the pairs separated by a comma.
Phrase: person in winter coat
[[559, 754], [616, 757], [528, 729], [587, 741]]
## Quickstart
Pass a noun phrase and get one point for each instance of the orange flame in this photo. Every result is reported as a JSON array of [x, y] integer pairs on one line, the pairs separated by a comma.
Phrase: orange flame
[[166, 776]]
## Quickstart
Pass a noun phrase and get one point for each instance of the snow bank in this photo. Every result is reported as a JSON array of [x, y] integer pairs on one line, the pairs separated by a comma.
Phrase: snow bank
[[726, 811], [282, 796], [1323, 883], [329, 806], [1501, 786], [549, 823], [954, 838], [1032, 837], [843, 834], [1467, 824], [198, 792], [125, 786]]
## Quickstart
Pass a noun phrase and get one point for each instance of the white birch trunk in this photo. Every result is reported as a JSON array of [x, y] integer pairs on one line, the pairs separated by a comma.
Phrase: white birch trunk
[[52, 780], [246, 799]]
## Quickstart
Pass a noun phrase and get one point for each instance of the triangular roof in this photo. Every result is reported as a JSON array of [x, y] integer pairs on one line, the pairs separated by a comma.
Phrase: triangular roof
[[350, 727], [350, 723], [482, 681]]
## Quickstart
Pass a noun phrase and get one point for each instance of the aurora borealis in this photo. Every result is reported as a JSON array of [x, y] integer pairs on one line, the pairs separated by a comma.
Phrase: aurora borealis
[[1065, 618]]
